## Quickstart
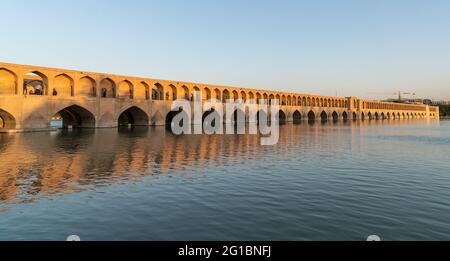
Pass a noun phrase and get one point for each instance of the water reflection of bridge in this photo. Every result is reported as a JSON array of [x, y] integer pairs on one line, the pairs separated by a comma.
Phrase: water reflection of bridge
[[30, 96], [43, 164]]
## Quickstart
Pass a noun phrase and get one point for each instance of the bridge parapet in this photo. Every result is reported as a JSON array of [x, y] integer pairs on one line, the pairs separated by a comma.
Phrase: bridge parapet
[[30, 96]]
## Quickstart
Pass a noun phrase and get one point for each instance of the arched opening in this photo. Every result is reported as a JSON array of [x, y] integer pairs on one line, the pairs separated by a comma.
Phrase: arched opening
[[211, 118], [8, 82], [335, 116], [172, 114], [73, 117], [258, 98], [235, 96], [133, 116], [157, 92], [217, 94], [297, 117], [7, 121], [184, 93], [194, 93], [86, 87], [35, 83], [141, 91], [377, 116], [126, 89], [251, 97], [324, 116], [261, 115], [345, 116], [355, 116], [283, 100], [62, 85], [243, 96], [206, 94], [281, 117], [225, 95], [383, 116], [363, 116], [311, 116], [171, 94], [370, 116], [107, 88], [238, 117]]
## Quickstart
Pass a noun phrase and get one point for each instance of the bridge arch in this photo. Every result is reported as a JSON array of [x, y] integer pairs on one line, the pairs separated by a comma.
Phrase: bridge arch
[[172, 114], [324, 116], [206, 94], [62, 85], [183, 93], [107, 88], [345, 116], [142, 91], [157, 92], [7, 120], [214, 118], [335, 116], [235, 96], [171, 94], [261, 114], [225, 95], [251, 97], [35, 83], [217, 94], [75, 116], [239, 117], [87, 87], [281, 116], [8, 82], [194, 92], [297, 117], [133, 116], [126, 89], [311, 116], [243, 96]]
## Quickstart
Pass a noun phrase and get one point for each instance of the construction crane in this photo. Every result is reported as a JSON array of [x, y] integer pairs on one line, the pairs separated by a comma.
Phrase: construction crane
[[398, 94]]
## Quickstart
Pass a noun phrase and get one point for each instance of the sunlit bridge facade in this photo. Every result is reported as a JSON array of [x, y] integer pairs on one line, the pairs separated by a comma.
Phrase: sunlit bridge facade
[[31, 97]]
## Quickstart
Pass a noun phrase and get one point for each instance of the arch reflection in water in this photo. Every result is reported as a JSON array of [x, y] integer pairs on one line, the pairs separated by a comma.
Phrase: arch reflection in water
[[87, 157]]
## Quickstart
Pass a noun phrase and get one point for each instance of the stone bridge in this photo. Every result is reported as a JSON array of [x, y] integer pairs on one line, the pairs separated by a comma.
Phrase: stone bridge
[[32, 96]]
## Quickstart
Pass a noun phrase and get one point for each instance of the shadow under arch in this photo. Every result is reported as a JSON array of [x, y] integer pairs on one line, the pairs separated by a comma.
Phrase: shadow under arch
[[7, 120], [76, 117], [335, 116], [213, 120], [134, 116], [261, 114], [324, 116], [345, 116], [311, 117], [297, 117], [172, 114], [281, 116]]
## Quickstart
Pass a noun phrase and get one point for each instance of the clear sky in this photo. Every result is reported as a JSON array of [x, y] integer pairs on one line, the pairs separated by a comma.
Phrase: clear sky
[[364, 48]]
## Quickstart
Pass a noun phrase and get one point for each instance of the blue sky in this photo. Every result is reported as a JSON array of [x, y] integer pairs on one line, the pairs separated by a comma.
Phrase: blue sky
[[350, 47]]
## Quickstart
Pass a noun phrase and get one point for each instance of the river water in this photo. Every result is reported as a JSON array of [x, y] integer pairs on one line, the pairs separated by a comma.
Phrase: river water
[[334, 181]]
